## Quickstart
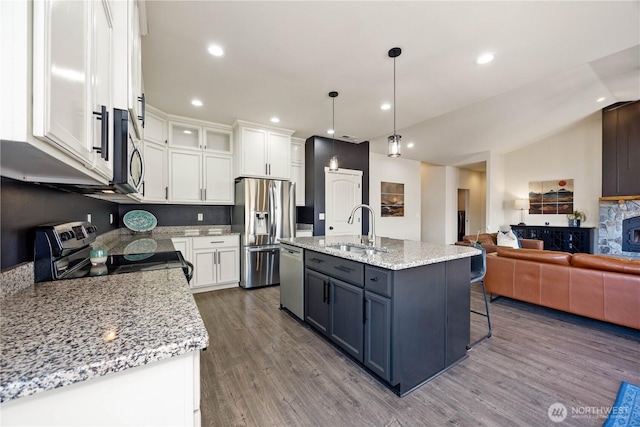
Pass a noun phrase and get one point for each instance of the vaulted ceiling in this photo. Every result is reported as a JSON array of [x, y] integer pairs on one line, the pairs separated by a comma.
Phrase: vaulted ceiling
[[553, 61]]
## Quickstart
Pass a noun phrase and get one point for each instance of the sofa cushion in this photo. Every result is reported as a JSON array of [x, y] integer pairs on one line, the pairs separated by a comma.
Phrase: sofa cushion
[[550, 257], [606, 263]]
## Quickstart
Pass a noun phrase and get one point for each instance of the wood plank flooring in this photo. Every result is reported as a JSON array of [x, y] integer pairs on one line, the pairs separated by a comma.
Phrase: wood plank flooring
[[265, 368]]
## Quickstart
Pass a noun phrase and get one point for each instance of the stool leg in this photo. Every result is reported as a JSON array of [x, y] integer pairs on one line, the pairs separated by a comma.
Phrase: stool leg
[[485, 314]]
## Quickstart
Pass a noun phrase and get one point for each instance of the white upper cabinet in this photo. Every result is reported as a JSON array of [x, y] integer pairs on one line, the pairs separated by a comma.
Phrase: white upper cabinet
[[218, 140], [185, 176], [61, 74], [297, 150], [136, 97], [155, 129], [155, 186], [206, 148], [102, 87], [218, 180], [184, 135], [262, 151], [297, 168], [73, 80]]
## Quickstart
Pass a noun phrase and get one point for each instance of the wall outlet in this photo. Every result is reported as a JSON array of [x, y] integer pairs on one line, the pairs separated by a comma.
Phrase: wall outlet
[[88, 217], [200, 217], [321, 216], [110, 218]]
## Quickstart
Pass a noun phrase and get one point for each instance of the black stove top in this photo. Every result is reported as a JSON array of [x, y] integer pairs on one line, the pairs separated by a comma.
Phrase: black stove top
[[131, 263]]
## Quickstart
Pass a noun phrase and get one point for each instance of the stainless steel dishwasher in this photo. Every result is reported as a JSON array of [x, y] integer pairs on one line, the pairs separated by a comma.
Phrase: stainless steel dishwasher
[[292, 279]]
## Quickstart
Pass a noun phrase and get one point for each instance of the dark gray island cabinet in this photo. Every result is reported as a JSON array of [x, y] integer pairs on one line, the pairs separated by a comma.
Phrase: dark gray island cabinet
[[405, 326]]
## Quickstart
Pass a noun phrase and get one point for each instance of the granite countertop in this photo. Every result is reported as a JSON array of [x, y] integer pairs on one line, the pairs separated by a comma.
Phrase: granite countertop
[[159, 240], [59, 333], [401, 253]]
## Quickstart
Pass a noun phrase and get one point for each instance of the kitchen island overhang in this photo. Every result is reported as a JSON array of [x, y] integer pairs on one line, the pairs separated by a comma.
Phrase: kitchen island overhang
[[402, 313]]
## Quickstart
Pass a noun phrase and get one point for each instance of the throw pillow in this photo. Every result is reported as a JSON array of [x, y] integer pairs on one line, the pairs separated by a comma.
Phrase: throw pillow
[[507, 238]]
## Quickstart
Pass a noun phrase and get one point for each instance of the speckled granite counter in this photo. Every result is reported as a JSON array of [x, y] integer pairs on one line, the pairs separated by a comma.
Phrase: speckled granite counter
[[127, 242], [59, 333], [401, 253]]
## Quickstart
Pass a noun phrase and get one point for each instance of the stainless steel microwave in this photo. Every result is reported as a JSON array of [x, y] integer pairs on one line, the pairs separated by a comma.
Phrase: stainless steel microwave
[[128, 163]]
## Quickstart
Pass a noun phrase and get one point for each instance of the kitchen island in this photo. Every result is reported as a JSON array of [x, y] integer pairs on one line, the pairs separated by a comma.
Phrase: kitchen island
[[104, 350], [399, 308]]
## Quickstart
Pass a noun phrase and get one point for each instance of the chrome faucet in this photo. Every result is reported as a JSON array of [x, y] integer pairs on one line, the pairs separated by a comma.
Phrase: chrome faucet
[[372, 235]]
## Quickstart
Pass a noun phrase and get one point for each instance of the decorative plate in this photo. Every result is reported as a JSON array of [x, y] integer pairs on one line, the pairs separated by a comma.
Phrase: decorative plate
[[138, 220]]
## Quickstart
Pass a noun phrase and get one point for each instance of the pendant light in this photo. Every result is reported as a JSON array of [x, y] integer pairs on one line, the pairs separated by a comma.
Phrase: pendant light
[[333, 160], [394, 140]]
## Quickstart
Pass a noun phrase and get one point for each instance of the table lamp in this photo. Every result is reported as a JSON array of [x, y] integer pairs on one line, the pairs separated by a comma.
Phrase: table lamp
[[522, 204]]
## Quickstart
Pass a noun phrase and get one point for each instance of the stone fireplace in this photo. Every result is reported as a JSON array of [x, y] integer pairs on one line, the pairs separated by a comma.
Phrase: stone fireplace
[[619, 231]]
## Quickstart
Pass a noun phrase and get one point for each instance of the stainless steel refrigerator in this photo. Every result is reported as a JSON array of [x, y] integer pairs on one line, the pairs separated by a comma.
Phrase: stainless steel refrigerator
[[264, 212]]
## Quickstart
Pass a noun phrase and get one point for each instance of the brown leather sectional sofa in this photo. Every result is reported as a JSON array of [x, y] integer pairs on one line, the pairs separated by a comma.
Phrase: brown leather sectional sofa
[[489, 242], [596, 286]]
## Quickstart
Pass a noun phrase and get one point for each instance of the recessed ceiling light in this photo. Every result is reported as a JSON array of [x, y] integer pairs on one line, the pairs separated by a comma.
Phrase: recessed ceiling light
[[215, 50], [275, 120], [602, 98], [385, 106], [196, 102], [188, 132], [485, 58], [410, 145], [330, 132]]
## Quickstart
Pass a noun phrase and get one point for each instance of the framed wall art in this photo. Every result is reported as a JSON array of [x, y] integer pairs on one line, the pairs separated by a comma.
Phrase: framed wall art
[[391, 199], [551, 197]]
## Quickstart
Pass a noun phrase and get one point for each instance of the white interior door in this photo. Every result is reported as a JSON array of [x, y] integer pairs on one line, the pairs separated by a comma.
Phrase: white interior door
[[343, 191]]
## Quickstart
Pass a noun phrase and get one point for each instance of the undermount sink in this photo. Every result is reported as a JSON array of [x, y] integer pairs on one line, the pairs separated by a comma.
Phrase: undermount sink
[[358, 249]]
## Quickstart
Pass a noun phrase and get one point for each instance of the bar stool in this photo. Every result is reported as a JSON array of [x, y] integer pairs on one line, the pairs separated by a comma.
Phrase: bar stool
[[478, 271]]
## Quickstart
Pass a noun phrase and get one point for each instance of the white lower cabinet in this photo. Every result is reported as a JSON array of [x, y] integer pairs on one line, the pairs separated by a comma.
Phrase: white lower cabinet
[[215, 259], [165, 392]]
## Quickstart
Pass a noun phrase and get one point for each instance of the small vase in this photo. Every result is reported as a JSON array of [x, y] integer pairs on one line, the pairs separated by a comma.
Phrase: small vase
[[574, 223]]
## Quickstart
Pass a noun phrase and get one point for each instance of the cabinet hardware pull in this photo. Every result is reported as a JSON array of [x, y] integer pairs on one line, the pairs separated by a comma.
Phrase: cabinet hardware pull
[[103, 116], [343, 268], [324, 291], [316, 260], [365, 314], [269, 168], [205, 194], [166, 193], [374, 279], [218, 241], [143, 99], [328, 293], [143, 188], [266, 169]]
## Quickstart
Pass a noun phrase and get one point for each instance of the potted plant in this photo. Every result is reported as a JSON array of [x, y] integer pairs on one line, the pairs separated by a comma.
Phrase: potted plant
[[575, 217]]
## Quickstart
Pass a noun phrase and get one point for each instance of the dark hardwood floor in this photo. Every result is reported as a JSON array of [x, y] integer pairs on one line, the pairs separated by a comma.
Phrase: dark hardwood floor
[[264, 368]]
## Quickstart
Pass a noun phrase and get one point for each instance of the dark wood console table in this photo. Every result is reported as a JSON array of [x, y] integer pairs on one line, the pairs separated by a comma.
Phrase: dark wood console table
[[566, 239]]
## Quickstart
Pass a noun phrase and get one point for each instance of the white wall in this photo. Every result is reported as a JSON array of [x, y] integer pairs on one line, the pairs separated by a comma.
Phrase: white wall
[[433, 200], [495, 192], [574, 153], [407, 172]]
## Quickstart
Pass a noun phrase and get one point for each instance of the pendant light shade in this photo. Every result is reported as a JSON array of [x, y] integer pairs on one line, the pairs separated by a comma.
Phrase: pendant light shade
[[394, 140], [333, 160]]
